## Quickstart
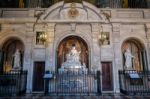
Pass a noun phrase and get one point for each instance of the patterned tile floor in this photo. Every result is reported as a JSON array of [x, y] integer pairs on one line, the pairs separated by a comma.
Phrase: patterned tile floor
[[103, 96]]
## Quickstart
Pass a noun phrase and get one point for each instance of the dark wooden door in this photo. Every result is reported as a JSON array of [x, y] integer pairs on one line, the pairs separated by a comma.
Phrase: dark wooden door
[[107, 76], [38, 81], [1, 61]]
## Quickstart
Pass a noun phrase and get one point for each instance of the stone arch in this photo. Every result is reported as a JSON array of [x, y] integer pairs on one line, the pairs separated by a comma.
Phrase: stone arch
[[9, 46], [137, 48], [65, 34], [64, 47], [10, 33], [59, 11]]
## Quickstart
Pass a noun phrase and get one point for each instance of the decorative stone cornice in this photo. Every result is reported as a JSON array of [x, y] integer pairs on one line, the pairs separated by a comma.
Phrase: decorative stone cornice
[[33, 20]]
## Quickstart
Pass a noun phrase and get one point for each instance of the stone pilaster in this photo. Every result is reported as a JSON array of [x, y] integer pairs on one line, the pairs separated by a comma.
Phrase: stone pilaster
[[117, 51], [147, 28], [28, 60], [50, 56], [30, 29], [116, 32], [95, 54]]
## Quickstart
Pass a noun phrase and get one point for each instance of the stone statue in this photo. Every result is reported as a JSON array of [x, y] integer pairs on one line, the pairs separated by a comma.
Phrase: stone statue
[[128, 59], [16, 59], [73, 61], [74, 54]]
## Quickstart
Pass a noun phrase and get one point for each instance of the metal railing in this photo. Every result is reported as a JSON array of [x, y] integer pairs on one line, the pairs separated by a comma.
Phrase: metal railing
[[134, 82], [13, 83], [73, 83]]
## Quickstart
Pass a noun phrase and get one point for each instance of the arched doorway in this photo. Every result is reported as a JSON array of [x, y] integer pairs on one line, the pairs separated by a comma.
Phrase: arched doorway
[[138, 53], [65, 46], [9, 48]]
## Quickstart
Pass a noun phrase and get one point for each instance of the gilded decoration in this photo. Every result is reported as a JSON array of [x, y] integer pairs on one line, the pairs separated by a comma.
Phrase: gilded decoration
[[73, 12]]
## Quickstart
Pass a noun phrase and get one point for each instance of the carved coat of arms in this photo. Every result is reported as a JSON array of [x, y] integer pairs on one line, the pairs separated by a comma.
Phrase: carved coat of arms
[[73, 12]]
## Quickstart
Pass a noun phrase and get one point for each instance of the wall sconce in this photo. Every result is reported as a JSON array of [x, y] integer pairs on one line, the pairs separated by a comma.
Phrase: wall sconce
[[43, 37], [103, 38]]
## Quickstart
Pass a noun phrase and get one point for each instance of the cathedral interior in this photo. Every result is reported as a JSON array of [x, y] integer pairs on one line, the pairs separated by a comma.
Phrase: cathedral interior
[[48, 32]]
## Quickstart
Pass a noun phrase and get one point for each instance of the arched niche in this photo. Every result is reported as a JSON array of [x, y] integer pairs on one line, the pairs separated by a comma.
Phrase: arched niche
[[137, 49], [65, 46], [8, 49]]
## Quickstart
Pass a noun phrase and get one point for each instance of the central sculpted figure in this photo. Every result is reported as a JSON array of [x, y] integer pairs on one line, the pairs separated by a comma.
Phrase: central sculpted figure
[[73, 61], [73, 55]]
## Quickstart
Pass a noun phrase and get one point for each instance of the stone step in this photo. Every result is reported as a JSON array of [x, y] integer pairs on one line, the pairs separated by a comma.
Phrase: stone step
[[105, 96]]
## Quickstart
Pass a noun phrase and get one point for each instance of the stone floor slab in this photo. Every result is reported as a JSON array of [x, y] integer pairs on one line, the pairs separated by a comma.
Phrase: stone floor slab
[[103, 96]]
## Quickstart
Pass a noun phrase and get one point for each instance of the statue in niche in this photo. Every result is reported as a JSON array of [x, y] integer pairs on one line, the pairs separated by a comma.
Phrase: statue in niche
[[73, 61], [128, 59], [74, 55], [16, 59]]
